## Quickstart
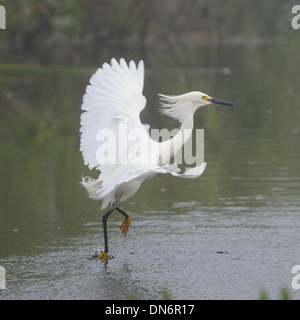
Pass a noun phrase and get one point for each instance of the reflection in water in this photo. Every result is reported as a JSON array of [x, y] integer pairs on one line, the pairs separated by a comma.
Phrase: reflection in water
[[245, 206]]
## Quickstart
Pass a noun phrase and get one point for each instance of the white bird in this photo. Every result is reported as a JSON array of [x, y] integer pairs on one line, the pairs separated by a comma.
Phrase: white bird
[[112, 101]]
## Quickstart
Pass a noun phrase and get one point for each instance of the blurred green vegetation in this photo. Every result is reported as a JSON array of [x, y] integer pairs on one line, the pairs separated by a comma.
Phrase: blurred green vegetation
[[284, 295], [263, 295], [83, 33]]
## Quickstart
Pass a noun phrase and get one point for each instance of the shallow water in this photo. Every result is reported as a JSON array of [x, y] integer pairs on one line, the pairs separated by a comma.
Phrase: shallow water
[[226, 235], [192, 249]]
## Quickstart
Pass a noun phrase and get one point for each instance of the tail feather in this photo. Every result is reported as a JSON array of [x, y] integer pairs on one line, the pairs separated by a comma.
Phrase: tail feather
[[92, 186]]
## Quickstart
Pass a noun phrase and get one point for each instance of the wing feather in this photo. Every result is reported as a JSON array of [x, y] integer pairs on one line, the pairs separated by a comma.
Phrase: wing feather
[[113, 95]]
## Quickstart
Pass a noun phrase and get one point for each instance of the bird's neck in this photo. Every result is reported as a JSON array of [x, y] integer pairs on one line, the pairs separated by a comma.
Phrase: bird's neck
[[171, 147]]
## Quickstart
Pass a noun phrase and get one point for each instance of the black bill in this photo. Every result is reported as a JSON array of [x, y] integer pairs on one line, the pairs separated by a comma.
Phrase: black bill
[[217, 101]]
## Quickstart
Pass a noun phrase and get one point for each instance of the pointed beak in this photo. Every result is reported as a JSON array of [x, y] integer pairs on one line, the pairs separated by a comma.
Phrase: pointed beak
[[218, 101]]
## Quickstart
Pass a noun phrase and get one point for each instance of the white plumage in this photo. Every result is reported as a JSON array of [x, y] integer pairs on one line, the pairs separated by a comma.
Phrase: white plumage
[[113, 97], [114, 141]]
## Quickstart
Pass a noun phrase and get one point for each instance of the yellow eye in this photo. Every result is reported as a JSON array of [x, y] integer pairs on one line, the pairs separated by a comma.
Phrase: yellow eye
[[205, 98]]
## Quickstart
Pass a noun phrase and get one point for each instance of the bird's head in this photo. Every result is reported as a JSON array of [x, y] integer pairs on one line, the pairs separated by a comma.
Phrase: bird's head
[[180, 106]]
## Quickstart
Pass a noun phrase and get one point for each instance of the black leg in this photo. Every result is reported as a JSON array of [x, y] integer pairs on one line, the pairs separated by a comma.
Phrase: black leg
[[126, 223], [124, 227], [123, 213], [104, 221]]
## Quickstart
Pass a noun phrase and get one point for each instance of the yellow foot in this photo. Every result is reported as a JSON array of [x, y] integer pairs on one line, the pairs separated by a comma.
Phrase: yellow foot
[[103, 255], [125, 225]]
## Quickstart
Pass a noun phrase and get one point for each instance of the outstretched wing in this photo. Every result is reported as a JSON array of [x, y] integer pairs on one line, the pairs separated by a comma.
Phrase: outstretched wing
[[113, 96], [112, 103]]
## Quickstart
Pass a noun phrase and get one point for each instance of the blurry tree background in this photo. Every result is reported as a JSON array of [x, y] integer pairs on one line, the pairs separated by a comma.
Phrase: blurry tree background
[[188, 42], [84, 32]]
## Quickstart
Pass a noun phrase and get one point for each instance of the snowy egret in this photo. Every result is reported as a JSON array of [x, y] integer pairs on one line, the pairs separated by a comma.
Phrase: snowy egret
[[113, 99]]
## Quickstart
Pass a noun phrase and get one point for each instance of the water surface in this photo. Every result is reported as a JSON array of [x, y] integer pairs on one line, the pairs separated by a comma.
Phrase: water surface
[[226, 235]]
